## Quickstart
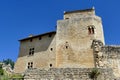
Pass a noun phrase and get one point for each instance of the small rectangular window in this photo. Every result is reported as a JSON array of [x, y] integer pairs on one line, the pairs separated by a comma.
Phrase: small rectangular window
[[40, 38], [51, 49], [50, 35], [50, 65], [66, 47], [31, 51], [31, 40], [30, 65]]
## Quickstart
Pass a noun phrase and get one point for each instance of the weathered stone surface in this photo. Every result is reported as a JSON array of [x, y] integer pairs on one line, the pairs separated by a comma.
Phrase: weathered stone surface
[[107, 57], [66, 74], [77, 43]]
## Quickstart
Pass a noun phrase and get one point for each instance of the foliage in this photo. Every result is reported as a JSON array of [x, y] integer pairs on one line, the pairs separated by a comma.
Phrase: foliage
[[4, 77], [0, 66], [95, 73], [9, 61], [1, 71]]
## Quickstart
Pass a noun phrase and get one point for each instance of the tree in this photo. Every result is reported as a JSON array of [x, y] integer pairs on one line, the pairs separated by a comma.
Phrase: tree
[[9, 61]]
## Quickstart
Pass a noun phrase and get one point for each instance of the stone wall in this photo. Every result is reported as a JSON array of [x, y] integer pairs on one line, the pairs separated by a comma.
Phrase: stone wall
[[66, 74], [107, 56], [44, 53], [111, 58]]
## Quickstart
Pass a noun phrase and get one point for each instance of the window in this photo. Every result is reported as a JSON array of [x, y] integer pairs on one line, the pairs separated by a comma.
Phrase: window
[[30, 65], [91, 29], [51, 49], [50, 35], [30, 40], [50, 65], [66, 18], [31, 51], [66, 47], [40, 38]]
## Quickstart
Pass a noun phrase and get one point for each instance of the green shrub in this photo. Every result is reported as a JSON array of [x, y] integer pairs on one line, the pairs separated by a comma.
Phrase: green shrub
[[1, 72], [94, 73], [0, 66]]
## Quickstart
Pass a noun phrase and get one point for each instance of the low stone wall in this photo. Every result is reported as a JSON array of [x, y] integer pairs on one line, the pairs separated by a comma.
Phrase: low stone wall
[[66, 74]]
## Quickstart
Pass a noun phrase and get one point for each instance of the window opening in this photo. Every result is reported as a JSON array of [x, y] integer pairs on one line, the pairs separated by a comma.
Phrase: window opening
[[31, 51], [30, 40], [66, 18], [91, 30], [30, 65], [51, 49], [50, 65], [50, 35], [40, 38], [66, 47]]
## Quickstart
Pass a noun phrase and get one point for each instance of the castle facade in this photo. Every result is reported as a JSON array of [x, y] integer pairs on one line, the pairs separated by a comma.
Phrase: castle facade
[[78, 42]]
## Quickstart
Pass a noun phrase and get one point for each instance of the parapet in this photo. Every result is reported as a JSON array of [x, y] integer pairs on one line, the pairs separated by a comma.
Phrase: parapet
[[69, 14]]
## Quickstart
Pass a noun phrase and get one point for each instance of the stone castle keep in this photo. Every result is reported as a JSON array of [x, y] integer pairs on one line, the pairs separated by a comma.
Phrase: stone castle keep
[[77, 45]]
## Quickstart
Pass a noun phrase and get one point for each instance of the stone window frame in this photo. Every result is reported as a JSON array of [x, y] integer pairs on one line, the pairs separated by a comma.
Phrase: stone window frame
[[91, 29]]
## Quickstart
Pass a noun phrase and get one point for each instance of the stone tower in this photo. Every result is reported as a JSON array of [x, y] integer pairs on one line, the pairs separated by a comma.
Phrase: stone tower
[[74, 37]]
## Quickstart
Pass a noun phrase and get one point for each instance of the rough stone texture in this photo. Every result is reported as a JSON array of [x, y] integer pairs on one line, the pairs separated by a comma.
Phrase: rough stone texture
[[111, 58], [107, 57], [71, 44], [43, 56], [72, 47], [66, 74], [73, 32]]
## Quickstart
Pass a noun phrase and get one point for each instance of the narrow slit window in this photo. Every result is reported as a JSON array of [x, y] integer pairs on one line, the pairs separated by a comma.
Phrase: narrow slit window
[[51, 49], [93, 30], [89, 30]]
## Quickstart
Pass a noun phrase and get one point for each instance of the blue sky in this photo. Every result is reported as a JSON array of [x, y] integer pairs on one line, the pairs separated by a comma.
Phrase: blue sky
[[19, 18]]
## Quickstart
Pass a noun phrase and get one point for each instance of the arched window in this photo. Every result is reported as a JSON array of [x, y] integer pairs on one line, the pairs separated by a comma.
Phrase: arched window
[[91, 29]]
